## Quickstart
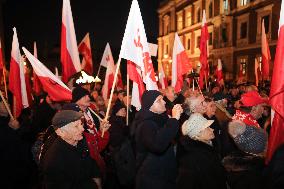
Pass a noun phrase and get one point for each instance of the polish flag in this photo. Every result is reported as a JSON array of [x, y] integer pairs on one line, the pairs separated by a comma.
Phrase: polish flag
[[17, 84], [1, 63], [265, 52], [162, 77], [204, 71], [276, 137], [55, 88], [138, 85], [85, 49], [36, 82], [119, 82], [27, 81], [69, 50], [107, 60], [219, 73], [135, 47], [180, 64]]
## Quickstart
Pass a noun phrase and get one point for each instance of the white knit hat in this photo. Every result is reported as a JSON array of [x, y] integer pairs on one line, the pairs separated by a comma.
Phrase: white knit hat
[[195, 124]]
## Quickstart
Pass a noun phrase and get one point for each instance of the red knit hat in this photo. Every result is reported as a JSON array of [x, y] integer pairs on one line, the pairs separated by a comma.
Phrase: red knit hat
[[252, 98]]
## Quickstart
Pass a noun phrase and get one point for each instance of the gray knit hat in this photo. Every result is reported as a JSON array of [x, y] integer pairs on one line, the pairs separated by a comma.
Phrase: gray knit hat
[[64, 117], [248, 138]]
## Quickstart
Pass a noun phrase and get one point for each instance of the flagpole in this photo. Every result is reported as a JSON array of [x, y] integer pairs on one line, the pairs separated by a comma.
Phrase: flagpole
[[127, 99], [6, 105], [111, 93], [193, 83], [5, 83], [99, 71]]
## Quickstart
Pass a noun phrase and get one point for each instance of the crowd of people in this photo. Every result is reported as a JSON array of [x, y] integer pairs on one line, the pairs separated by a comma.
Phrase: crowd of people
[[191, 140]]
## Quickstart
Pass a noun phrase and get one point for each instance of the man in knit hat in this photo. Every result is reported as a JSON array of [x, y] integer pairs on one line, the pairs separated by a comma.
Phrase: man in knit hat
[[246, 160], [62, 163], [93, 127], [154, 133]]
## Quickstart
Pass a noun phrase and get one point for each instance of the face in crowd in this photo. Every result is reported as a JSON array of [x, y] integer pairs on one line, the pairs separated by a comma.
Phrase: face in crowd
[[84, 102], [158, 105], [210, 109]]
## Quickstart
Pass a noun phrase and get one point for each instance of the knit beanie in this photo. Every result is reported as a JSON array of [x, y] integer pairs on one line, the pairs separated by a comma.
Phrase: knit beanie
[[248, 138], [148, 98], [64, 117], [78, 93]]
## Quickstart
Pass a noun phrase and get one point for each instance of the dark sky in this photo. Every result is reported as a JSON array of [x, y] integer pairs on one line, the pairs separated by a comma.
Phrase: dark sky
[[40, 21]]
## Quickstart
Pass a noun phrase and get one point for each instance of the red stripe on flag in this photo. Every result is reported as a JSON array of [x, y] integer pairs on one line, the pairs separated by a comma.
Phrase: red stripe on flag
[[276, 137], [55, 91], [15, 86]]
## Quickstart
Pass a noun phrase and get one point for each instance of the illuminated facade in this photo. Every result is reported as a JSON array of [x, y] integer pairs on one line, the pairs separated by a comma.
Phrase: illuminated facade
[[234, 28]]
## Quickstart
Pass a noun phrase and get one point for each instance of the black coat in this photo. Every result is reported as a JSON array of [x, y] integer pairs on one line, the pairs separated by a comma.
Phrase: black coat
[[199, 167], [118, 131], [65, 166], [16, 164], [155, 158]]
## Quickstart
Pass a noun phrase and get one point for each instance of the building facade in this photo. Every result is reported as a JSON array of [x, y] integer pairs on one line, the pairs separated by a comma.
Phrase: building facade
[[234, 28]]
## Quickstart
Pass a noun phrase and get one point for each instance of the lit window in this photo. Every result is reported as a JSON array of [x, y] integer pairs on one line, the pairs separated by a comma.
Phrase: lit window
[[179, 22], [244, 2], [188, 18], [225, 5]]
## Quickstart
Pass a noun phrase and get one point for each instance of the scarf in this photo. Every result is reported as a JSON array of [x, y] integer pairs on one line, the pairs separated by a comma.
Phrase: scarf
[[247, 118]]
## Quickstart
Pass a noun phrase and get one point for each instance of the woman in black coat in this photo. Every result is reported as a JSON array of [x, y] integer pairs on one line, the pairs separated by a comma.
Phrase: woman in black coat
[[199, 166]]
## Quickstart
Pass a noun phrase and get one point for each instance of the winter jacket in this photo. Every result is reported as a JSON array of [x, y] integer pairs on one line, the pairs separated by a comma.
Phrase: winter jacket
[[155, 158], [199, 166], [65, 166]]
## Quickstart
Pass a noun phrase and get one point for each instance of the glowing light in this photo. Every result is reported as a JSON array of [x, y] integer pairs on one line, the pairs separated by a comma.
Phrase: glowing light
[[85, 78]]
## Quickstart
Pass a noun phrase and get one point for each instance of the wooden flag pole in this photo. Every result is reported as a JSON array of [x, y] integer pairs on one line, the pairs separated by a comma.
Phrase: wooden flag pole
[[5, 83], [95, 114], [6, 105], [99, 71], [127, 100], [111, 93]]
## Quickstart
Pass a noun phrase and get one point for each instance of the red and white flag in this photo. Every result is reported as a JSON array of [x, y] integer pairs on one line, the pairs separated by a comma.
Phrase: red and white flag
[[2, 67], [55, 88], [162, 77], [204, 71], [85, 49], [265, 52], [107, 60], [180, 64], [69, 51], [119, 82], [276, 137], [138, 85], [107, 55], [219, 73], [135, 47], [36, 82], [17, 84]]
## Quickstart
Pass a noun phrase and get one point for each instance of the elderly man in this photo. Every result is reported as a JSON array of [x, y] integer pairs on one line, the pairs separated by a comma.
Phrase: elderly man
[[62, 162], [155, 131], [246, 162]]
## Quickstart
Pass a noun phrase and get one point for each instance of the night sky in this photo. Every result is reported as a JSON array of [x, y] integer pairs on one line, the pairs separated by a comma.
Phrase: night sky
[[40, 21]]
